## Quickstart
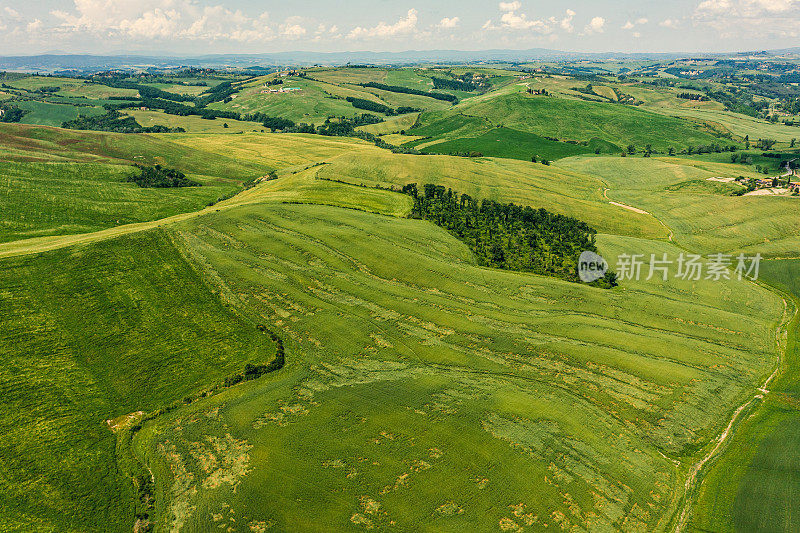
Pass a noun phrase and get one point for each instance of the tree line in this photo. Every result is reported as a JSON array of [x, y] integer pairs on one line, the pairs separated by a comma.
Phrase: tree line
[[160, 178], [454, 85], [508, 236], [405, 90], [369, 105], [115, 122], [12, 113], [693, 96]]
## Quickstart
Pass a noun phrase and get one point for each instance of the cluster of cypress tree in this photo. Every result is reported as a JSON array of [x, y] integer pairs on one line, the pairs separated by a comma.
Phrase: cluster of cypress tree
[[115, 122], [507, 236], [405, 90], [161, 178], [369, 105]]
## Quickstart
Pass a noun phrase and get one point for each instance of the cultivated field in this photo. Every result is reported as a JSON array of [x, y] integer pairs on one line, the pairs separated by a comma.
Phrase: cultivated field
[[383, 350], [419, 391]]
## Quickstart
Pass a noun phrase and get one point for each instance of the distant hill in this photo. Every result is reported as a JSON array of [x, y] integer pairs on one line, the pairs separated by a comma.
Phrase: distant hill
[[64, 62]]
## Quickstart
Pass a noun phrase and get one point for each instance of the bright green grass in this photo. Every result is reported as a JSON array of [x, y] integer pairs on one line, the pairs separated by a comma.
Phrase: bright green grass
[[42, 144], [39, 199], [395, 100], [740, 125], [48, 114], [706, 222], [193, 123], [754, 485], [424, 390], [90, 334], [391, 124], [313, 103], [504, 180], [508, 143], [577, 120]]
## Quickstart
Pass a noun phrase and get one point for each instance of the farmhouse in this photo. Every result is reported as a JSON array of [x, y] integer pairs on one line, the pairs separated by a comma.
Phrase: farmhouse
[[281, 90]]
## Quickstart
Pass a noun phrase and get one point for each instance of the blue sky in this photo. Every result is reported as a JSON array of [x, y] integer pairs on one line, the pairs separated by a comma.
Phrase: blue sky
[[249, 26]]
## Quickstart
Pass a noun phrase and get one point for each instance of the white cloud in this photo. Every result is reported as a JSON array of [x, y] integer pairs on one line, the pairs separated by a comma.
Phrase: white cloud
[[710, 9], [639, 22], [404, 26], [293, 28], [669, 23], [12, 13], [715, 6], [34, 26], [596, 25], [749, 18], [170, 20], [510, 6], [772, 6], [514, 21], [448, 23], [566, 22], [636, 34], [152, 24]]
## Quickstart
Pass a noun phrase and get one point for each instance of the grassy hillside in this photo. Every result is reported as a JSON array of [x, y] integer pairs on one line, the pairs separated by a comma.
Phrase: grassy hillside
[[421, 392], [43, 144], [49, 186], [91, 334], [508, 143], [193, 123], [568, 120], [754, 484], [311, 102], [52, 114], [503, 180], [501, 395], [40, 199], [707, 221]]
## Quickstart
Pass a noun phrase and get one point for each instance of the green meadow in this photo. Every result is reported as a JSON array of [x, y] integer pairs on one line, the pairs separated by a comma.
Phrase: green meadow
[[51, 114], [39, 199], [570, 120], [420, 391], [753, 485], [701, 218], [524, 378], [90, 334]]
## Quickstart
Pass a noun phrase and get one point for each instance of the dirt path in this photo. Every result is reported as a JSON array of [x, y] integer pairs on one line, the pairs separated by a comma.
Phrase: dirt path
[[640, 211], [692, 480], [46, 244]]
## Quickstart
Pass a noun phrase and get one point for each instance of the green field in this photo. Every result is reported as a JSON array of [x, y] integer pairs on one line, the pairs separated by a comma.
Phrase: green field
[[433, 339], [420, 391], [312, 102], [193, 123], [64, 313], [523, 183], [39, 199], [710, 221], [566, 119], [49, 114], [754, 485], [513, 144]]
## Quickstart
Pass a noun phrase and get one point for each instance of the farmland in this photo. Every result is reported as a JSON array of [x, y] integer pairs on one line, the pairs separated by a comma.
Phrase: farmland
[[435, 337], [284, 345]]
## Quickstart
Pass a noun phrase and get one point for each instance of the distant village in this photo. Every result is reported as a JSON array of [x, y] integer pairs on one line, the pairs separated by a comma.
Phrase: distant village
[[269, 87], [776, 185]]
